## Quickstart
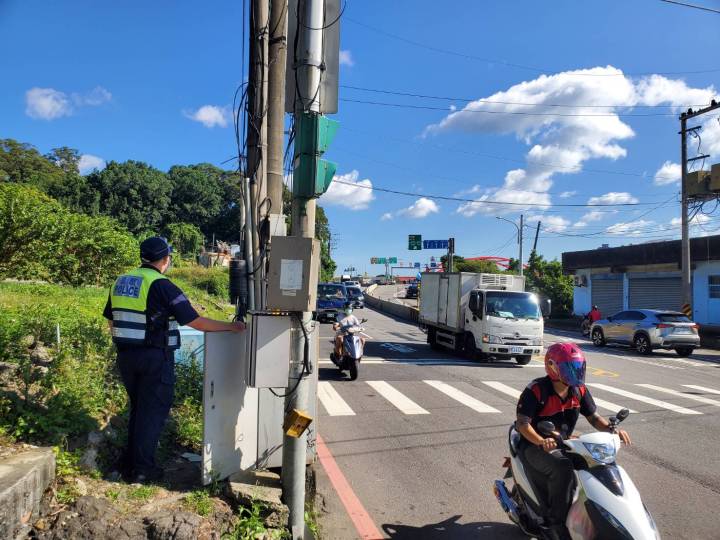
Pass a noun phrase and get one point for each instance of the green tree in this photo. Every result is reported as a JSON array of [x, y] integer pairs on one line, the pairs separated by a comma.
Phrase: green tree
[[134, 193], [460, 264], [198, 196], [547, 278], [23, 164], [184, 237]]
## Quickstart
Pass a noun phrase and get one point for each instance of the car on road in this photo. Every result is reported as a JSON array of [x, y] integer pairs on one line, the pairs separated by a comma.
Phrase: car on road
[[356, 296], [331, 300], [647, 330], [352, 283], [411, 291]]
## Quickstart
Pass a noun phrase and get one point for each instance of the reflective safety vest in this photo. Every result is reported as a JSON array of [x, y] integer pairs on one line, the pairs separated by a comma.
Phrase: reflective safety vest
[[133, 325]]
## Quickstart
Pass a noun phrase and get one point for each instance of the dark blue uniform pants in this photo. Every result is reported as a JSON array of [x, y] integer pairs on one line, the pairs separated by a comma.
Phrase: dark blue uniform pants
[[149, 377]]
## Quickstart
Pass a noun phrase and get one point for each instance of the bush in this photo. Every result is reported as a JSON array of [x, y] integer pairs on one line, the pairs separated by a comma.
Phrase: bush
[[185, 238], [214, 281], [40, 239]]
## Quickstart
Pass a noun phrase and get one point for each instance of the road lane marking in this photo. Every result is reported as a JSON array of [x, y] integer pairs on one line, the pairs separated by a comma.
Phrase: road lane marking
[[699, 399], [639, 361], [331, 400], [363, 362], [702, 388], [516, 394], [364, 525], [397, 398], [504, 388], [644, 399], [462, 397]]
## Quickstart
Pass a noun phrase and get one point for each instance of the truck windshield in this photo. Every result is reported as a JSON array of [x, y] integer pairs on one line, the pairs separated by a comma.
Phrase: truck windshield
[[512, 305]]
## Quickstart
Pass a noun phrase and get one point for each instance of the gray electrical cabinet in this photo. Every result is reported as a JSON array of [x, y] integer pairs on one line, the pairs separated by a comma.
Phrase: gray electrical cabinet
[[269, 350], [293, 274]]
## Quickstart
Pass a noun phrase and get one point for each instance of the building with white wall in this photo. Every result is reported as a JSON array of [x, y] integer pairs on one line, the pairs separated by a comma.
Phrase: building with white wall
[[646, 276]]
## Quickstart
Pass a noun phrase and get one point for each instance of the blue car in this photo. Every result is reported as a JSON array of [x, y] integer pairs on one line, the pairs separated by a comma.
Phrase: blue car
[[331, 299]]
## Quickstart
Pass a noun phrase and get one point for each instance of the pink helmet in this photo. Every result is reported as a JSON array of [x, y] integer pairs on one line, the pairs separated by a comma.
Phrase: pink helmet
[[565, 362]]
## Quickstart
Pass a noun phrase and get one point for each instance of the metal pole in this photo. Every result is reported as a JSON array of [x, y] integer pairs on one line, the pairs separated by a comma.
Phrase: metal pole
[[276, 105], [537, 233], [249, 259], [520, 240], [684, 227], [257, 132], [311, 15]]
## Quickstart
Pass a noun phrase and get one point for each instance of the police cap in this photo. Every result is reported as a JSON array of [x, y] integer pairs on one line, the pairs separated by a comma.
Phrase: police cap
[[154, 248]]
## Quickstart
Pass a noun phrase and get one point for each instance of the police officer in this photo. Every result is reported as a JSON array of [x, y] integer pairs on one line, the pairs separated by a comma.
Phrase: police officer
[[144, 311]]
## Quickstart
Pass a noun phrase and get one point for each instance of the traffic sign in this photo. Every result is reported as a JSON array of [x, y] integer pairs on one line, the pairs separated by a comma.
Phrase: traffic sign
[[414, 242], [417, 265], [391, 260], [435, 244], [378, 260]]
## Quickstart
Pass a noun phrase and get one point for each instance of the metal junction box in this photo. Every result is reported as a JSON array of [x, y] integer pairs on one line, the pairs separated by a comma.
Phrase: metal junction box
[[268, 350], [293, 275]]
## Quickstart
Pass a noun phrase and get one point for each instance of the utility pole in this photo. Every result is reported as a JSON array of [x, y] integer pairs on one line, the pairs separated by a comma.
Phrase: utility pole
[[451, 253], [685, 261], [520, 238], [537, 233], [257, 139], [276, 112]]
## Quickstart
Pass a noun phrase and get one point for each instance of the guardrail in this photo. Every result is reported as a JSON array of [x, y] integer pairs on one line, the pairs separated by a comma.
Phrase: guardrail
[[391, 308]]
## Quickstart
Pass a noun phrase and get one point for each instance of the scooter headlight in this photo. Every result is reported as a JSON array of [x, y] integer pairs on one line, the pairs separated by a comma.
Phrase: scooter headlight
[[602, 453], [487, 338]]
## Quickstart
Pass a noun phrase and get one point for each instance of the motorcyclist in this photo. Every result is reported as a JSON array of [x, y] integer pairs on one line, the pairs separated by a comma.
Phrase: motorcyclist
[[594, 315], [559, 397], [348, 320]]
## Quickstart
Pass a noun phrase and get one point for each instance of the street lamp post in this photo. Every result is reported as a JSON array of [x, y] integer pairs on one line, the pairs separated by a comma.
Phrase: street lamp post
[[520, 238]]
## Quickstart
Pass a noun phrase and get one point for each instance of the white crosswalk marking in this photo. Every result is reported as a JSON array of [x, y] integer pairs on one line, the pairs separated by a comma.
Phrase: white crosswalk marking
[[397, 398], [516, 394], [331, 400], [644, 399], [702, 388], [700, 399], [462, 397]]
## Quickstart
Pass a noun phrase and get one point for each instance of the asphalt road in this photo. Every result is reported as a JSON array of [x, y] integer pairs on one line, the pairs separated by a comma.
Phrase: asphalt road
[[422, 463]]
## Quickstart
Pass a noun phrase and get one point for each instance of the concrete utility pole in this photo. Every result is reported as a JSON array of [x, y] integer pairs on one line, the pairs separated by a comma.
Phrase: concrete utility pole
[[257, 137], [310, 23], [276, 111], [537, 233], [520, 238], [685, 261]]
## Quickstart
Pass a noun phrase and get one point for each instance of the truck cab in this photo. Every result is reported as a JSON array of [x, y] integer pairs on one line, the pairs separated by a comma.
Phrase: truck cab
[[482, 316]]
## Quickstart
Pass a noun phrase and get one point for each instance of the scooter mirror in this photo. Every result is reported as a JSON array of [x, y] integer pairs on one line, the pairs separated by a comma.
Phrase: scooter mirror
[[546, 428], [363, 320], [623, 414]]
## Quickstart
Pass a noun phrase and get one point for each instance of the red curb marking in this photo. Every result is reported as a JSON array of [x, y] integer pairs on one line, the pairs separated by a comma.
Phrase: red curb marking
[[364, 524]]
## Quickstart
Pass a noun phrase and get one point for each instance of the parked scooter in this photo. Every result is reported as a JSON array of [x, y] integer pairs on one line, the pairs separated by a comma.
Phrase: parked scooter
[[606, 504], [585, 325], [353, 345]]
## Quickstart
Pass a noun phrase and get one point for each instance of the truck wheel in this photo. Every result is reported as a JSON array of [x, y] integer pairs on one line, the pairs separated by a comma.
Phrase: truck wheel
[[469, 347], [523, 360], [431, 339]]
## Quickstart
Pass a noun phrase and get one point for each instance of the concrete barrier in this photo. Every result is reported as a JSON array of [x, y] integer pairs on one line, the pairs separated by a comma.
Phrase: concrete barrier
[[391, 308]]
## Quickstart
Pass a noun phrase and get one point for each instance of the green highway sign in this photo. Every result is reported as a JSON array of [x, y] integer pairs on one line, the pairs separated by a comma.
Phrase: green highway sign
[[378, 260], [392, 260], [414, 241]]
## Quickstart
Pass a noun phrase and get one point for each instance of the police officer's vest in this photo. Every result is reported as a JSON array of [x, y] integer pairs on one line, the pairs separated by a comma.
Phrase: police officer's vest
[[133, 325]]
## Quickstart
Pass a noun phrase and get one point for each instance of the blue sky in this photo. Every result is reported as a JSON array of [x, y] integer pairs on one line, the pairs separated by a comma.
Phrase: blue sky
[[153, 81]]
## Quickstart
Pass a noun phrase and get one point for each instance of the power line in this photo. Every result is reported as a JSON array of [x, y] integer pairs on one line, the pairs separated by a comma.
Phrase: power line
[[694, 6], [483, 111], [512, 64], [577, 168], [488, 201], [495, 102]]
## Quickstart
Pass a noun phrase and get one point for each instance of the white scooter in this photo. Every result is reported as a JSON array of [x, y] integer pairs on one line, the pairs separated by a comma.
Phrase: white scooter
[[352, 349], [606, 504]]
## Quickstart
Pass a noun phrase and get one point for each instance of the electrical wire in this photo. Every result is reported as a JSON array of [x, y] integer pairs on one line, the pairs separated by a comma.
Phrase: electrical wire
[[518, 113], [481, 202], [495, 102], [511, 64], [694, 6]]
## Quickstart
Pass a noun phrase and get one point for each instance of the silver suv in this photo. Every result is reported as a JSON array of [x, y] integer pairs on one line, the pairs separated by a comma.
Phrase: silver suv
[[648, 329]]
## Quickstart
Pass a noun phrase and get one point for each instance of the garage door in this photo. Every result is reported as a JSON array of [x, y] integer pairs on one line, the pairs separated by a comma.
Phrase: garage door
[[607, 294], [655, 293]]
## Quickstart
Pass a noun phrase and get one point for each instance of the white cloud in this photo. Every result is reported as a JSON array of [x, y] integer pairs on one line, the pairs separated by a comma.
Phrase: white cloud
[[421, 208], [614, 197], [95, 97], [562, 139], [593, 215], [346, 59], [89, 163], [386, 216], [567, 194], [632, 228], [669, 173], [699, 219], [550, 223], [47, 104], [347, 190], [209, 116]]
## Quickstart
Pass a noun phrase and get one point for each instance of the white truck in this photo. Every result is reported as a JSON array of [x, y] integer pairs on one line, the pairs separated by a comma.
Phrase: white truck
[[482, 315]]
